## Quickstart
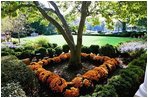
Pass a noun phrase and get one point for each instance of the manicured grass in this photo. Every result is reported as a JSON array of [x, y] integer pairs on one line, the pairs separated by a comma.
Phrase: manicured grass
[[87, 40]]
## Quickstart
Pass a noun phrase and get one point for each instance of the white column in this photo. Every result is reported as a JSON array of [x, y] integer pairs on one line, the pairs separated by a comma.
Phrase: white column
[[142, 91]]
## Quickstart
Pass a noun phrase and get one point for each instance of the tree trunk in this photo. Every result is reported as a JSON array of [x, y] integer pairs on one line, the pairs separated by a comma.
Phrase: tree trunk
[[75, 60], [75, 50]]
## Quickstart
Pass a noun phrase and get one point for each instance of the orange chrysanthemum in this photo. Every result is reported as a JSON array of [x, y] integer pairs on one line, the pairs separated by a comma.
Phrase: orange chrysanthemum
[[105, 58], [56, 59], [104, 66], [40, 62], [58, 84], [39, 70], [77, 82], [63, 56], [92, 56], [51, 77], [86, 83], [92, 75], [45, 62], [111, 67], [102, 71], [72, 92], [68, 55], [98, 58], [84, 55], [45, 76], [35, 67]]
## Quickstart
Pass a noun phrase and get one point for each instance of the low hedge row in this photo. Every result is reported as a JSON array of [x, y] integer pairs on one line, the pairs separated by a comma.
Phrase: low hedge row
[[126, 83], [107, 50], [54, 50], [122, 34]]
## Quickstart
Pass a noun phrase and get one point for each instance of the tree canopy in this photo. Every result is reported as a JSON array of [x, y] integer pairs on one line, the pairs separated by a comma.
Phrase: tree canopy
[[127, 11], [62, 13]]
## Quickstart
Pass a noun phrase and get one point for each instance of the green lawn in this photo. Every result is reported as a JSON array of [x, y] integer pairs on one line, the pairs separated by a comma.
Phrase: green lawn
[[87, 40]]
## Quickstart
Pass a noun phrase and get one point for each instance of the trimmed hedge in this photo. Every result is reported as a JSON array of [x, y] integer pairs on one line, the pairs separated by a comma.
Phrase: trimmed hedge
[[94, 49], [108, 50], [104, 91], [50, 52], [85, 49], [54, 45], [65, 48], [58, 51], [14, 70], [41, 52], [25, 54]]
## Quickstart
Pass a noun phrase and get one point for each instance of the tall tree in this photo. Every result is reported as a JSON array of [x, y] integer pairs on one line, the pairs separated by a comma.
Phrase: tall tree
[[124, 11], [61, 24]]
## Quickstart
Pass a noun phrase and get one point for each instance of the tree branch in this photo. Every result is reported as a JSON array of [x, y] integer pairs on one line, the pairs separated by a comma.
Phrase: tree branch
[[84, 8], [65, 25], [49, 9], [55, 23]]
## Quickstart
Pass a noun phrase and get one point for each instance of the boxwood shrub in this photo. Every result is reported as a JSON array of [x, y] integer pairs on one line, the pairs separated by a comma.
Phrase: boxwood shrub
[[94, 49], [50, 52], [14, 70], [85, 49], [41, 52], [105, 91], [54, 45], [108, 50], [65, 48], [58, 51]]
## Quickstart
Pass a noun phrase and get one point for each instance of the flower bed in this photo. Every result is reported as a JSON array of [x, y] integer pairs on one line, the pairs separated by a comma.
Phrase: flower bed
[[72, 88]]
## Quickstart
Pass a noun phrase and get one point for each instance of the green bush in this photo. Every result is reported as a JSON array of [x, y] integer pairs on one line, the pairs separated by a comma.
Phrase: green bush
[[94, 49], [41, 51], [121, 85], [65, 48], [50, 52], [54, 45], [126, 83], [12, 90], [108, 50], [105, 91], [143, 57], [133, 72], [27, 47], [25, 54], [14, 70], [8, 50], [18, 54], [3, 53], [20, 49], [50, 45], [138, 62], [135, 54], [85, 49], [58, 50]]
